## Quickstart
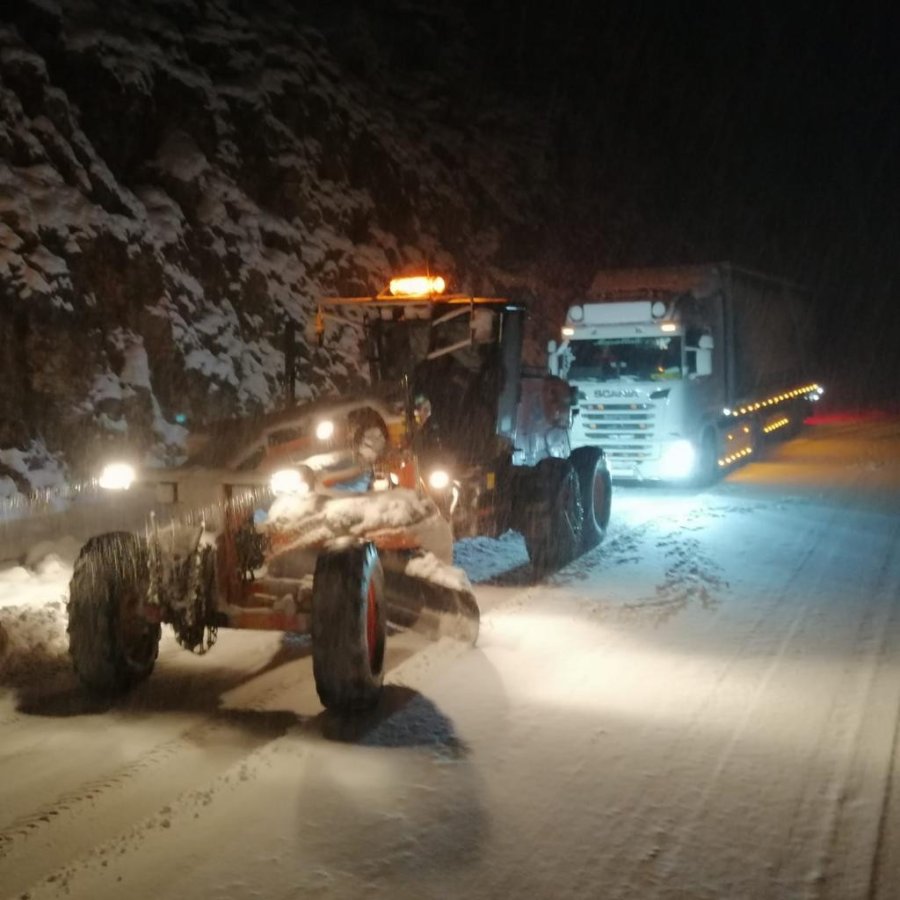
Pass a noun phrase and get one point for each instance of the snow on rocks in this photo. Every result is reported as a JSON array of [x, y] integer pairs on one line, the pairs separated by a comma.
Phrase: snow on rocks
[[274, 180], [34, 468]]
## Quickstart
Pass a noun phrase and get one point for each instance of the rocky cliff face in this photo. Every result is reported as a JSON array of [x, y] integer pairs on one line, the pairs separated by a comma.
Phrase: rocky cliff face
[[179, 178]]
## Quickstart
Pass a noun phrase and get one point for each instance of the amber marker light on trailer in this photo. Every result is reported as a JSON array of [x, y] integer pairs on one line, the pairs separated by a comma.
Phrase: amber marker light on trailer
[[734, 457], [417, 286], [810, 391], [778, 423]]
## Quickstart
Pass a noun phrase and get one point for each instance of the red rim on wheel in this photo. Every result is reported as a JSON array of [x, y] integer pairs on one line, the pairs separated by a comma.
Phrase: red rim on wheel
[[372, 623], [599, 500]]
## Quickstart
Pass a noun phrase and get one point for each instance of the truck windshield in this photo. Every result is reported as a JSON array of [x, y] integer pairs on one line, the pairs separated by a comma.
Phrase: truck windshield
[[634, 359]]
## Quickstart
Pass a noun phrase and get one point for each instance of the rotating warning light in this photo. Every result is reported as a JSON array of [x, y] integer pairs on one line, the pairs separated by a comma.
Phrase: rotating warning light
[[417, 286]]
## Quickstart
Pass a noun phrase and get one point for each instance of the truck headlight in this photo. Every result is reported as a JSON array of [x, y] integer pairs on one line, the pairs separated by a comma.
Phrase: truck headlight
[[325, 430], [438, 479], [289, 481], [678, 460], [116, 477]]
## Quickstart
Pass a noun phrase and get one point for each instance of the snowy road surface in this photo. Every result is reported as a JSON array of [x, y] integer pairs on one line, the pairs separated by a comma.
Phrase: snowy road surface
[[705, 706]]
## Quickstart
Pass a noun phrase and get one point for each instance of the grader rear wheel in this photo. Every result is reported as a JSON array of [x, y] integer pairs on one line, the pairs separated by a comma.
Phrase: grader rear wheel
[[112, 646], [555, 523], [596, 494]]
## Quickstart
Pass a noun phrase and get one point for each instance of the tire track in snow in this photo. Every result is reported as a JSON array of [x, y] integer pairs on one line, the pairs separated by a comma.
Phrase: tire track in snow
[[53, 873], [691, 577], [112, 801], [673, 833], [885, 874], [103, 809], [864, 734], [839, 729], [91, 792], [413, 661], [799, 862]]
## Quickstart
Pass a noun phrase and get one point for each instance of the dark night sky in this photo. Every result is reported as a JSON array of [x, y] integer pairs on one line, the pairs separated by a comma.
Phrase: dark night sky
[[789, 116], [765, 133]]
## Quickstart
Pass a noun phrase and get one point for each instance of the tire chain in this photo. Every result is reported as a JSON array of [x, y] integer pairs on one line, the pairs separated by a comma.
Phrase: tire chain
[[185, 621], [194, 632]]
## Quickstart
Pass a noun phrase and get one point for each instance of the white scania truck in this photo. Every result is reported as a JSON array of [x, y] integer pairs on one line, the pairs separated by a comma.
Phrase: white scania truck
[[682, 372]]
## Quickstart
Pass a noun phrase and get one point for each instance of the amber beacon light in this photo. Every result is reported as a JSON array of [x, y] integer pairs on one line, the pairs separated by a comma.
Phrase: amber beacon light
[[417, 286]]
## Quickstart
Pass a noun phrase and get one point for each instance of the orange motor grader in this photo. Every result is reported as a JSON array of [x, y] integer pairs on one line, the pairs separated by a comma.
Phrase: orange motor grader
[[332, 518]]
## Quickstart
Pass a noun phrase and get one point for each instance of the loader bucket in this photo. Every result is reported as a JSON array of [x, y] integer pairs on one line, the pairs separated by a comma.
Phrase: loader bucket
[[429, 607]]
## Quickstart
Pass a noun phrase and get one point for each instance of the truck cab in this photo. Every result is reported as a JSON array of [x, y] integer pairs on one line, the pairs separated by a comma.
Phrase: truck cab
[[646, 382], [681, 372]]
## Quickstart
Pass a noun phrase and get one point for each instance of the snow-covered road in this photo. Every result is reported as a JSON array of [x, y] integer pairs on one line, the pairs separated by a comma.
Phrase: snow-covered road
[[705, 707]]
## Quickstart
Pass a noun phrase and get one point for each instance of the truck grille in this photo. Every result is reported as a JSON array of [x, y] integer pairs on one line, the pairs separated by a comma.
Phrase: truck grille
[[624, 430]]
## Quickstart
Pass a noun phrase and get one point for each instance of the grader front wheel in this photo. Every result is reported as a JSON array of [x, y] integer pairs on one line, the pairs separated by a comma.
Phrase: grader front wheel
[[349, 627]]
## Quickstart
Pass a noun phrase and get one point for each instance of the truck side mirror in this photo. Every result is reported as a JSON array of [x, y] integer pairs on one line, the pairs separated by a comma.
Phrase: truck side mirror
[[703, 359], [704, 355], [552, 359], [699, 359]]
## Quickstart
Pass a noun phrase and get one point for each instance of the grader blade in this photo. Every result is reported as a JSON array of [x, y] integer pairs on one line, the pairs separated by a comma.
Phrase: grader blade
[[429, 607]]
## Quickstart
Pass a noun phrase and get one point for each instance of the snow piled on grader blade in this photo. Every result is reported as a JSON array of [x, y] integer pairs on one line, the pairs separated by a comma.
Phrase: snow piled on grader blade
[[424, 591], [421, 598]]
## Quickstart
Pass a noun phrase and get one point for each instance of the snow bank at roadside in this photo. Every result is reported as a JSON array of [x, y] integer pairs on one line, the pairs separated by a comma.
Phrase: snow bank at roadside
[[33, 611]]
